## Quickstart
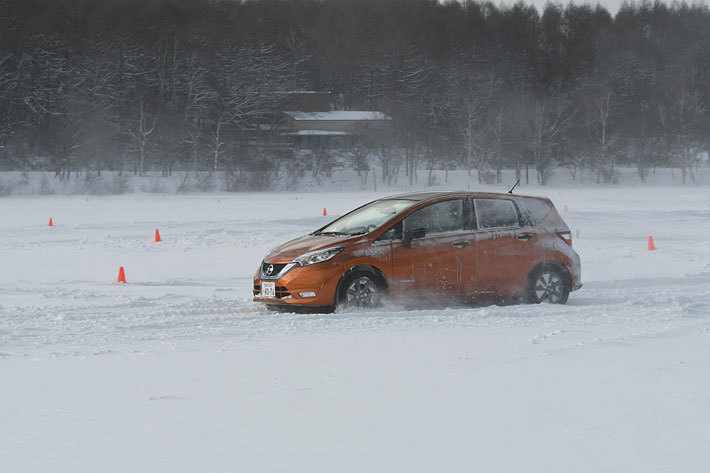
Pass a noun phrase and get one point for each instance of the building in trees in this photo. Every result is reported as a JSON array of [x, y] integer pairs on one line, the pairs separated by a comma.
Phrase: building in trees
[[336, 129]]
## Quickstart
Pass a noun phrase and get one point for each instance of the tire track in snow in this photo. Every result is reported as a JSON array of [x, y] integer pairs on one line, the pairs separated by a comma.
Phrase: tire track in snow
[[629, 308]]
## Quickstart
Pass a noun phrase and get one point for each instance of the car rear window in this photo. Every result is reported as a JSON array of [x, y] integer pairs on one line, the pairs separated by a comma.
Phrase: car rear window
[[534, 211], [496, 213]]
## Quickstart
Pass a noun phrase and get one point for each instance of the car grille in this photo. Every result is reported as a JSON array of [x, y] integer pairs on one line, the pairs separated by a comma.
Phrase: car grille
[[276, 270], [281, 291]]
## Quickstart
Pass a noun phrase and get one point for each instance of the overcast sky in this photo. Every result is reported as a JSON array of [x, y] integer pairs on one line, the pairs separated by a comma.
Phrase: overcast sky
[[611, 5]]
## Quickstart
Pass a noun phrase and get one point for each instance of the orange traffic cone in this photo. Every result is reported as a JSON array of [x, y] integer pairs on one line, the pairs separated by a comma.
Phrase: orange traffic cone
[[51, 224], [157, 236], [325, 214], [651, 246], [121, 275]]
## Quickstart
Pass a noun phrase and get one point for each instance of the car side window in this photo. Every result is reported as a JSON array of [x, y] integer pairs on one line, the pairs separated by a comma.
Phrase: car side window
[[496, 213], [441, 217], [394, 233]]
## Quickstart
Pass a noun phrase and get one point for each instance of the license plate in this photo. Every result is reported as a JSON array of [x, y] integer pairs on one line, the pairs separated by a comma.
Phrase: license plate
[[268, 289]]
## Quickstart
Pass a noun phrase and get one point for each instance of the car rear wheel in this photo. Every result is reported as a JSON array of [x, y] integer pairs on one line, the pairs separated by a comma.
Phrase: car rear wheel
[[360, 289], [546, 284]]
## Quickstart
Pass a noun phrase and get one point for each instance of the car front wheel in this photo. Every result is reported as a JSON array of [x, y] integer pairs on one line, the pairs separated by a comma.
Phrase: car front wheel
[[546, 284], [360, 289]]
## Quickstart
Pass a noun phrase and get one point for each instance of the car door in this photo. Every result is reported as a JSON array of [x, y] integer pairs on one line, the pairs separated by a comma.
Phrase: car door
[[431, 265], [502, 247]]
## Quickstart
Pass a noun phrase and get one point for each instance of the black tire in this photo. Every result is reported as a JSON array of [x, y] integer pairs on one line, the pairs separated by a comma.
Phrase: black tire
[[546, 284], [360, 289]]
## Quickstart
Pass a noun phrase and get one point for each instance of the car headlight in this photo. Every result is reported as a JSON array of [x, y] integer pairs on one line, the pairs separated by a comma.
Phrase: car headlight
[[317, 256]]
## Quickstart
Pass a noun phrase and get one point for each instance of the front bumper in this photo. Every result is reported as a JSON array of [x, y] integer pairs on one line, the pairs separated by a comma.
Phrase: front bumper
[[321, 279]]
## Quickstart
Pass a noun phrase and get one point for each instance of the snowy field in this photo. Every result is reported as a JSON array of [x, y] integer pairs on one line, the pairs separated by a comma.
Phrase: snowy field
[[178, 371]]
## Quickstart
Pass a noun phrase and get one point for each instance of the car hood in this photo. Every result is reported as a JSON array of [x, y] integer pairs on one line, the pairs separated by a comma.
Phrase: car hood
[[296, 247]]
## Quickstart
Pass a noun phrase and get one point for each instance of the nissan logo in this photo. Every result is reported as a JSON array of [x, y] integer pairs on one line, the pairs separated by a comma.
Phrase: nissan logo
[[269, 269]]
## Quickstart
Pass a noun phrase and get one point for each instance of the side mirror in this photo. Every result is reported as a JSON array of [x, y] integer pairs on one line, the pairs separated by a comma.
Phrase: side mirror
[[410, 235]]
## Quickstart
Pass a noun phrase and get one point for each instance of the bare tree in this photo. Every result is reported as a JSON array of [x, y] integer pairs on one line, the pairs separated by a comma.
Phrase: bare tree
[[679, 119], [439, 109], [171, 146], [643, 149], [193, 86], [247, 83], [142, 127], [499, 129], [7, 84], [298, 54], [412, 78], [601, 135], [481, 131], [62, 141], [550, 116]]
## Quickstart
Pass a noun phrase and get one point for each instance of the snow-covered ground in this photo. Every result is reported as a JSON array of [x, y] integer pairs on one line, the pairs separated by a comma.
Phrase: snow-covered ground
[[178, 371]]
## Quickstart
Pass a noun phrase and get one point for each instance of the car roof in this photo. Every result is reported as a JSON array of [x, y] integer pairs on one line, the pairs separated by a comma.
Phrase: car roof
[[422, 196]]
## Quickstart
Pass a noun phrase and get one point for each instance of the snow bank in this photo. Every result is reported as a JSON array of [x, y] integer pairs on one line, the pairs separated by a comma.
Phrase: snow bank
[[339, 180]]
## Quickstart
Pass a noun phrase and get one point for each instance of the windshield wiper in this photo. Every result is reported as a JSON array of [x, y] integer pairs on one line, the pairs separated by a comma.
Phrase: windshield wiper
[[357, 233], [329, 233]]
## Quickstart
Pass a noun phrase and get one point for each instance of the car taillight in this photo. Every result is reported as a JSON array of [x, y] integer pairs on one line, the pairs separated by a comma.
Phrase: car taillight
[[566, 236]]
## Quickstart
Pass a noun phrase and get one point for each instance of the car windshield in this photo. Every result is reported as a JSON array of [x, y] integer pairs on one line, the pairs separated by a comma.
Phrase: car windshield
[[366, 218]]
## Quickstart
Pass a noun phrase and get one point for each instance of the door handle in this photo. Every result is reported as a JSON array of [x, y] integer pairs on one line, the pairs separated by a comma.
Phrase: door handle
[[460, 244], [526, 236]]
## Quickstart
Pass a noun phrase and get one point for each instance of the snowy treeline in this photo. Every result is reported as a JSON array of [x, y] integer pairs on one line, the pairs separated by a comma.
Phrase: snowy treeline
[[135, 85]]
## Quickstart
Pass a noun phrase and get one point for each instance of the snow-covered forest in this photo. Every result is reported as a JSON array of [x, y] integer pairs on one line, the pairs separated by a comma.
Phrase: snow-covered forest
[[164, 85]]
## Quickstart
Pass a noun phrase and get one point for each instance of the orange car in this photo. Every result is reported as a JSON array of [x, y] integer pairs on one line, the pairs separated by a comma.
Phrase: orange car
[[462, 245]]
